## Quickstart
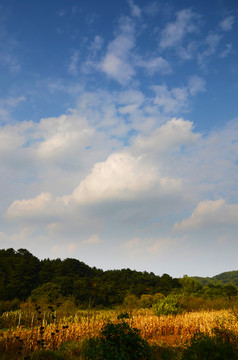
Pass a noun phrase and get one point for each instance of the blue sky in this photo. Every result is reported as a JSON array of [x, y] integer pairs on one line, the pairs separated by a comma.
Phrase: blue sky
[[119, 133]]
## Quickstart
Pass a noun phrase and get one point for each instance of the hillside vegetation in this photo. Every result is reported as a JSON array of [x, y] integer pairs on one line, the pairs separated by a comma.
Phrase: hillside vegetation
[[64, 309], [228, 277], [23, 276]]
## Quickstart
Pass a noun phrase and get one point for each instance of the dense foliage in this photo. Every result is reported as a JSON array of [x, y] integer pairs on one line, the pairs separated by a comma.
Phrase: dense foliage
[[220, 279], [117, 341], [24, 276], [221, 344]]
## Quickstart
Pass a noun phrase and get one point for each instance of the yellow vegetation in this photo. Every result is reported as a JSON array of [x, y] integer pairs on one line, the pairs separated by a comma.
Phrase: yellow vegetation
[[175, 330]]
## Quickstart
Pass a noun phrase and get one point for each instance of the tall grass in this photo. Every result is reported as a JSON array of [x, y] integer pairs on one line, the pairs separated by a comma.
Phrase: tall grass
[[45, 333]]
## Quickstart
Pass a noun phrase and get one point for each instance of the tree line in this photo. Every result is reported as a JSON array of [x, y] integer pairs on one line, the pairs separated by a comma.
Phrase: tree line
[[22, 275]]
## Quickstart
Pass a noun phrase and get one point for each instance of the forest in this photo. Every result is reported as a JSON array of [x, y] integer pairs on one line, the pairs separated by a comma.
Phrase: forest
[[64, 309], [23, 276]]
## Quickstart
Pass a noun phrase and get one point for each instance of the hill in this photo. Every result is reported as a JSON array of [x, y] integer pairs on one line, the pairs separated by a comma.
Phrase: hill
[[228, 277], [23, 275]]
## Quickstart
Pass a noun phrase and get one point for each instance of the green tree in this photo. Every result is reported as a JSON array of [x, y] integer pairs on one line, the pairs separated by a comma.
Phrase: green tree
[[48, 293]]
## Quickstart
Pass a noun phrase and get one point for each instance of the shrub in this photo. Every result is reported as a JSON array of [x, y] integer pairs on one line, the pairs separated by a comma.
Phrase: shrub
[[47, 355], [130, 302], [71, 349], [9, 305], [171, 305], [117, 341], [220, 345]]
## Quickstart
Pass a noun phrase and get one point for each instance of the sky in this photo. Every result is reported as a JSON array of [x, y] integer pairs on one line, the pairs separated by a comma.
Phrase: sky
[[119, 133]]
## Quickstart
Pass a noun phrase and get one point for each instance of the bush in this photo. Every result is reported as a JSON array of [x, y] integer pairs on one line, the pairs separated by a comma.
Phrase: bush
[[220, 345], [171, 305], [71, 349], [47, 355], [117, 341], [130, 302], [9, 305]]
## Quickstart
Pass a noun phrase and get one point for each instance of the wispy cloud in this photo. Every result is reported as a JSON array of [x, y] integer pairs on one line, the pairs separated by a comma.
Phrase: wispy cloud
[[92, 240], [151, 9], [196, 85], [135, 10], [8, 104], [154, 65], [116, 63], [211, 43], [227, 23], [226, 52], [178, 99], [96, 44], [175, 32], [73, 66]]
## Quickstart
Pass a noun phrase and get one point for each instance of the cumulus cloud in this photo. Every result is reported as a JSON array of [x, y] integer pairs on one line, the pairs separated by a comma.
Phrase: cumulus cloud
[[210, 213], [121, 177], [30, 208], [142, 189], [60, 136], [168, 137], [177, 99], [171, 101]]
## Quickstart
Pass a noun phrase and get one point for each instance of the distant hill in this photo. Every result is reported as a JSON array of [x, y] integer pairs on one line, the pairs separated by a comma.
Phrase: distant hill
[[228, 277]]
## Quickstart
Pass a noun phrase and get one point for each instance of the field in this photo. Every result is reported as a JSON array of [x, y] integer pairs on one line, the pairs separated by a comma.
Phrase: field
[[25, 332]]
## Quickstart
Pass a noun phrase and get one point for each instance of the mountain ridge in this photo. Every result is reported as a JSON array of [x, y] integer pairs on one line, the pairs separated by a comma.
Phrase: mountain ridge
[[224, 278]]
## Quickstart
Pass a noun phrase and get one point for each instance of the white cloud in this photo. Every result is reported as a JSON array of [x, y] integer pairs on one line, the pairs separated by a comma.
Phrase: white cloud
[[155, 65], [30, 207], [93, 239], [7, 105], [63, 135], [175, 32], [136, 193], [196, 84], [117, 68], [73, 66], [171, 101], [178, 99], [168, 137], [227, 23], [226, 52], [63, 250], [135, 10], [212, 41], [151, 9], [121, 176], [96, 44], [210, 213], [116, 63], [160, 246], [8, 49]]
